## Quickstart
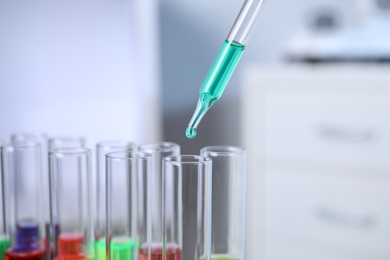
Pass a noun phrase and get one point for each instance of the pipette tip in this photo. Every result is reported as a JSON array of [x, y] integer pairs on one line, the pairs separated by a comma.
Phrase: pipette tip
[[190, 132]]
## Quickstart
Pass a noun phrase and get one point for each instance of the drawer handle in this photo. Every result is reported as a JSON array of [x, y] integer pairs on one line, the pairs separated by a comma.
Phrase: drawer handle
[[346, 134], [334, 216]]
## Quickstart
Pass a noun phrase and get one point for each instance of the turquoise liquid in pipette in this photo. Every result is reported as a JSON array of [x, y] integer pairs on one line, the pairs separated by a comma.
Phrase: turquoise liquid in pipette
[[215, 82]]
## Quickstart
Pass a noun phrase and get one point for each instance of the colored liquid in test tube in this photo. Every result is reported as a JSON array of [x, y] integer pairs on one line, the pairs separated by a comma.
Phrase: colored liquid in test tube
[[225, 63], [69, 244], [27, 244], [121, 248], [4, 245], [173, 252]]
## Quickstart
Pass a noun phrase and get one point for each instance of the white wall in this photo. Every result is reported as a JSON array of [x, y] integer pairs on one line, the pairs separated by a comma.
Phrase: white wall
[[80, 67]]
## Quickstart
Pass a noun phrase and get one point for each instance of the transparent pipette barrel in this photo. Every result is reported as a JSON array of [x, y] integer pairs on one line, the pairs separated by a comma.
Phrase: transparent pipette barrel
[[128, 204], [245, 22], [71, 203], [69, 141], [102, 149], [228, 195], [6, 164], [226, 61], [186, 208], [158, 151]]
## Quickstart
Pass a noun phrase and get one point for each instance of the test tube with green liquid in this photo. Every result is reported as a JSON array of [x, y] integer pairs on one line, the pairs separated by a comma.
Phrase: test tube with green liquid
[[127, 205], [226, 61], [103, 148]]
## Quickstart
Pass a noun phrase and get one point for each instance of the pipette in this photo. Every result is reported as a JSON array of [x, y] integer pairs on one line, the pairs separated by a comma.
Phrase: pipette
[[226, 61]]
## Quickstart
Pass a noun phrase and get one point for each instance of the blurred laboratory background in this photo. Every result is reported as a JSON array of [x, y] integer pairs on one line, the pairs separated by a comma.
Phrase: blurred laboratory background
[[309, 101]]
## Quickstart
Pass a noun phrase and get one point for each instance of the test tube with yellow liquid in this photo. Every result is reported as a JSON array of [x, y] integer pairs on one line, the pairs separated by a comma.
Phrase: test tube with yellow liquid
[[228, 200]]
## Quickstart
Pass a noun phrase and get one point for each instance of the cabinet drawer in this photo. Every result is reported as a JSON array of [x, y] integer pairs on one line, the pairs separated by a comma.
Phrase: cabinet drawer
[[284, 247], [343, 212], [329, 127], [332, 114]]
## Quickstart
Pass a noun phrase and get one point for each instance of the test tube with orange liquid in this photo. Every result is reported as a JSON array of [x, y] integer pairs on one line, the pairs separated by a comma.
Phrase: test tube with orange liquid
[[70, 183]]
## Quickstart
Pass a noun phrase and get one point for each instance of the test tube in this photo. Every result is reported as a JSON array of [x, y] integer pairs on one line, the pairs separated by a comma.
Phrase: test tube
[[158, 150], [128, 205], [67, 142], [228, 195], [63, 142], [5, 200], [42, 140], [186, 208], [71, 203], [27, 197], [103, 148]]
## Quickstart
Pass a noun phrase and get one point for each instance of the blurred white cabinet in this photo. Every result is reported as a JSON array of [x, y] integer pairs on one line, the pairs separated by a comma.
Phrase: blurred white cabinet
[[318, 142]]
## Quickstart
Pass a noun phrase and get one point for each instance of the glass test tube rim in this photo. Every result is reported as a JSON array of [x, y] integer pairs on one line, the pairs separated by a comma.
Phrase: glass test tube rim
[[26, 144], [221, 150], [28, 135], [125, 156], [177, 160], [115, 144], [60, 152], [66, 138], [159, 146]]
